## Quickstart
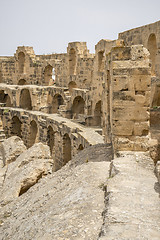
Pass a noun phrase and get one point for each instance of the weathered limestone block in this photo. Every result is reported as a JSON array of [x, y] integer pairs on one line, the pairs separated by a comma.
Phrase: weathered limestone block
[[131, 143], [23, 173], [11, 149], [141, 128], [121, 127], [131, 113]]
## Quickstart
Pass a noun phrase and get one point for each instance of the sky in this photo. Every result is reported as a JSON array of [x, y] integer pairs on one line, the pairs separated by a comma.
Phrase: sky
[[49, 25]]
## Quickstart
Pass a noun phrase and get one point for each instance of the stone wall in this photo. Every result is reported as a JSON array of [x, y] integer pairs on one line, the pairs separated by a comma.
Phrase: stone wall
[[110, 91], [33, 127]]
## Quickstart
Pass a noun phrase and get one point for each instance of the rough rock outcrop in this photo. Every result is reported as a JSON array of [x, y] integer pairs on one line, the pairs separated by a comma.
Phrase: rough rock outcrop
[[23, 173], [65, 205], [116, 200], [11, 148]]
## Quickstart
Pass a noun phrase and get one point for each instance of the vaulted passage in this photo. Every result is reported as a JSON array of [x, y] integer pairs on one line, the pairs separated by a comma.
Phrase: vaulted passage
[[50, 139], [72, 61], [71, 85], [22, 82], [54, 103], [21, 62], [77, 107], [25, 100], [16, 127], [5, 98], [66, 148], [32, 133], [97, 114], [152, 47], [48, 72]]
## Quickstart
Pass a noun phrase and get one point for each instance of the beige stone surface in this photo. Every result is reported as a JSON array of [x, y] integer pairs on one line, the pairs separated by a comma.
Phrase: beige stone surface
[[24, 172], [132, 200], [66, 205], [11, 148]]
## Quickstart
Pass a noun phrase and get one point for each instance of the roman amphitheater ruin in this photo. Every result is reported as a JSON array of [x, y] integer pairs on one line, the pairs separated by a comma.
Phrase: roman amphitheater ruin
[[73, 100]]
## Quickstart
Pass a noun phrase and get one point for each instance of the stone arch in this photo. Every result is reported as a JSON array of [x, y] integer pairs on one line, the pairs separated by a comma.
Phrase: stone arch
[[72, 85], [5, 98], [80, 148], [77, 107], [66, 148], [54, 103], [48, 80], [101, 61], [21, 62], [25, 99], [51, 139], [16, 127], [53, 74], [152, 48], [22, 82], [98, 113], [72, 61], [32, 133]]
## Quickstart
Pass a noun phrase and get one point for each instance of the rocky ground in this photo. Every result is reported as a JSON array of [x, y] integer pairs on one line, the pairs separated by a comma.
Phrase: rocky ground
[[86, 199]]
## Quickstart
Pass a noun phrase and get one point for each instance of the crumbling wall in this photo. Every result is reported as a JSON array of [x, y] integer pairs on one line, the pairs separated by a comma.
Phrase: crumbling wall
[[127, 90]]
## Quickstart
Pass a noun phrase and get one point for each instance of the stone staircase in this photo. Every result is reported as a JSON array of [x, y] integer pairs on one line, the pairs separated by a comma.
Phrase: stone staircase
[[2, 135]]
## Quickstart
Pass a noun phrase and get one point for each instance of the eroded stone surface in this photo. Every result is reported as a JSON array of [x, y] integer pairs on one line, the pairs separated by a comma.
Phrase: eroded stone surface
[[11, 148], [65, 205], [132, 203], [25, 171]]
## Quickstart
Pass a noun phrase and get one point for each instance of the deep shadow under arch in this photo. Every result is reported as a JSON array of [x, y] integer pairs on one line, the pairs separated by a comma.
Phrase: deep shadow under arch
[[25, 100]]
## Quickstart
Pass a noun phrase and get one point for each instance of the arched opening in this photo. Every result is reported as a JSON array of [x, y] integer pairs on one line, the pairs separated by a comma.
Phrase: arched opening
[[53, 74], [25, 99], [48, 80], [71, 85], [101, 61], [22, 82], [98, 114], [54, 103], [50, 139], [5, 98], [77, 107], [152, 47], [66, 148], [16, 127], [32, 133], [80, 148], [8, 101], [72, 61], [21, 62]]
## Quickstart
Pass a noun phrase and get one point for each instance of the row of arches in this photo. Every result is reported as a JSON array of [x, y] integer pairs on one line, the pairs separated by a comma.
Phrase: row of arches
[[54, 103], [16, 129]]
